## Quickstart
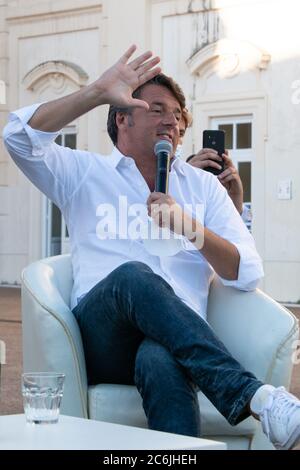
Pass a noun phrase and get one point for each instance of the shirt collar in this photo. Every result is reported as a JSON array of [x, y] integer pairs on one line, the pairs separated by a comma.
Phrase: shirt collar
[[178, 165], [117, 157]]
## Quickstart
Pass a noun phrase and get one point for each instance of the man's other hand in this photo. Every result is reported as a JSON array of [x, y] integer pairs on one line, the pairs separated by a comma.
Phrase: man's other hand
[[231, 180], [206, 158]]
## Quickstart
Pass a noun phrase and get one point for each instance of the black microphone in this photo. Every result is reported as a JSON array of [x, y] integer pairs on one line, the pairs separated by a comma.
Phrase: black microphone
[[163, 150]]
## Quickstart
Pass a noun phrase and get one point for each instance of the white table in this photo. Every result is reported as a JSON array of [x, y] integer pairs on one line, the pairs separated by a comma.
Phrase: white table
[[84, 434]]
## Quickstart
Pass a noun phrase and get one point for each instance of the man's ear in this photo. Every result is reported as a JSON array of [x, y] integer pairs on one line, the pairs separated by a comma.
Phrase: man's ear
[[123, 120]]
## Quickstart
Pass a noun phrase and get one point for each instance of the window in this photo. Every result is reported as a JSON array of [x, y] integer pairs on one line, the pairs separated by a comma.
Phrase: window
[[243, 135], [244, 169], [228, 129], [238, 135], [57, 230], [238, 140], [67, 139]]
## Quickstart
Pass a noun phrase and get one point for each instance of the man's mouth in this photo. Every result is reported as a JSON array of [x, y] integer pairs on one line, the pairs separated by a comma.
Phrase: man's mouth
[[166, 136]]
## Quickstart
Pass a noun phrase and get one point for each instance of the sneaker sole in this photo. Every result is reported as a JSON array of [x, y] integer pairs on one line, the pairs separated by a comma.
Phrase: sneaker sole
[[292, 442]]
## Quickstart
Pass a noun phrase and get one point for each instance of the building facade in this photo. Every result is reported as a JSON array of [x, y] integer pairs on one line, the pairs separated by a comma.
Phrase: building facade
[[238, 63]]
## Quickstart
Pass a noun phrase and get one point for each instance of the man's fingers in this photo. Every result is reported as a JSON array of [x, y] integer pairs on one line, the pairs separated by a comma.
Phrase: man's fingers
[[227, 179], [140, 60], [205, 163], [209, 154], [227, 160], [124, 59], [135, 103], [149, 75], [213, 164], [206, 150], [144, 68], [227, 172], [155, 196]]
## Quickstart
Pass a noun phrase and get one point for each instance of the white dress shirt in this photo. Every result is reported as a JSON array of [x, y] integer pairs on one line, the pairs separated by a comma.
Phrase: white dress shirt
[[78, 182]]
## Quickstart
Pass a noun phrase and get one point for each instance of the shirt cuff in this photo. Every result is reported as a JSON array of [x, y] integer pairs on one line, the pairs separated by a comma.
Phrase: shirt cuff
[[250, 269], [39, 139]]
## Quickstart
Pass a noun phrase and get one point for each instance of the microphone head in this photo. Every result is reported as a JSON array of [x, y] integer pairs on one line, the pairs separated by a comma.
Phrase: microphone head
[[163, 146]]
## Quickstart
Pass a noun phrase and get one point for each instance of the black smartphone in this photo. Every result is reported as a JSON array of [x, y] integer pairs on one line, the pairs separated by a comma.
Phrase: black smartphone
[[215, 140]]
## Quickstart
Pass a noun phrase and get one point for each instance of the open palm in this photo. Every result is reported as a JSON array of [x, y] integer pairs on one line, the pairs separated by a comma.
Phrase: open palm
[[122, 79]]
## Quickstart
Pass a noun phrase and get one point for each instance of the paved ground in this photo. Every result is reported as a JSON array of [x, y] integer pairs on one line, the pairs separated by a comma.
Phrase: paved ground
[[11, 334]]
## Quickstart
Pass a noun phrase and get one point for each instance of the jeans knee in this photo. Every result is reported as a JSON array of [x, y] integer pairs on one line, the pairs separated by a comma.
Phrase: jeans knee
[[154, 363], [132, 270]]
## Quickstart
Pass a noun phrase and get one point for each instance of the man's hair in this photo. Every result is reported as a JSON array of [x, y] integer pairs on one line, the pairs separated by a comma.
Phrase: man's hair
[[159, 79], [187, 118]]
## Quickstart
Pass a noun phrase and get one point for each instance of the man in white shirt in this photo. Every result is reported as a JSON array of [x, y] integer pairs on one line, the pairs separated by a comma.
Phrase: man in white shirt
[[142, 316]]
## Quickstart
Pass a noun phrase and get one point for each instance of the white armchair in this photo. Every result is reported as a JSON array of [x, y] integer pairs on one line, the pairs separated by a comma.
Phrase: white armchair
[[256, 330]]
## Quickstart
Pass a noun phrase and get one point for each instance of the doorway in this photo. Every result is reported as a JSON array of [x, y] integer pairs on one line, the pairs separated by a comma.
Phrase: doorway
[[238, 140], [57, 235]]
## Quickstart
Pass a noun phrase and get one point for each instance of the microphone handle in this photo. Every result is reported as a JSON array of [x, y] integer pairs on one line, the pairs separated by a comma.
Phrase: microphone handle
[[162, 172]]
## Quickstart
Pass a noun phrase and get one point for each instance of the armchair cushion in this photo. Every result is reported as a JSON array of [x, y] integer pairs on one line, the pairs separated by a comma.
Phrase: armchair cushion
[[123, 404]]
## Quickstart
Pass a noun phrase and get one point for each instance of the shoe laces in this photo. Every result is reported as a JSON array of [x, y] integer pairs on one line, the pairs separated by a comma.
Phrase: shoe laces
[[285, 404]]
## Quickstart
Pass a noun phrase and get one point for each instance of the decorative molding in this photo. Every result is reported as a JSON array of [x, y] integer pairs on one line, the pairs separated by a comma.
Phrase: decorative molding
[[228, 58], [56, 72], [21, 15]]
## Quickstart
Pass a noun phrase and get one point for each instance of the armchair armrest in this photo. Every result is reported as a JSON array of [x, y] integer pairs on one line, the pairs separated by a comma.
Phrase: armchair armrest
[[257, 331], [51, 336]]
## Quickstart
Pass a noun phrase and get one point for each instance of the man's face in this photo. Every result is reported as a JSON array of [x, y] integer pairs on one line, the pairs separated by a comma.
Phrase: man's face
[[182, 129], [160, 122]]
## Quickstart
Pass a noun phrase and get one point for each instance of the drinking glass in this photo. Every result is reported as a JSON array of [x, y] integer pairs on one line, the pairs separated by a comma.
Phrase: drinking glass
[[42, 394]]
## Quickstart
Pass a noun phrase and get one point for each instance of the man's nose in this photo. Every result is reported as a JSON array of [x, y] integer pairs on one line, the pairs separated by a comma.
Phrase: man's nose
[[169, 118]]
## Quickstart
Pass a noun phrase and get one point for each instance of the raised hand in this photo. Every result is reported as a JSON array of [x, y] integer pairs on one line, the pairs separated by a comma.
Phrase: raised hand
[[118, 83], [115, 86], [231, 180]]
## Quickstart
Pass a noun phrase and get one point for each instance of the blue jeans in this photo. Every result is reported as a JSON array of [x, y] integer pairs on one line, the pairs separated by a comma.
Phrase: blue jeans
[[135, 330]]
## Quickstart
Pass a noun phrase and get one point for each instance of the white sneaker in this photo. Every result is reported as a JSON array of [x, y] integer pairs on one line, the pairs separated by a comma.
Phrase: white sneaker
[[279, 413]]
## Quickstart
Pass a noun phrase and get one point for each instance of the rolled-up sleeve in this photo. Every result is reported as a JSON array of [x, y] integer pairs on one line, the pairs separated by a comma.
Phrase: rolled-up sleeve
[[57, 171], [223, 219], [15, 131], [250, 268]]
